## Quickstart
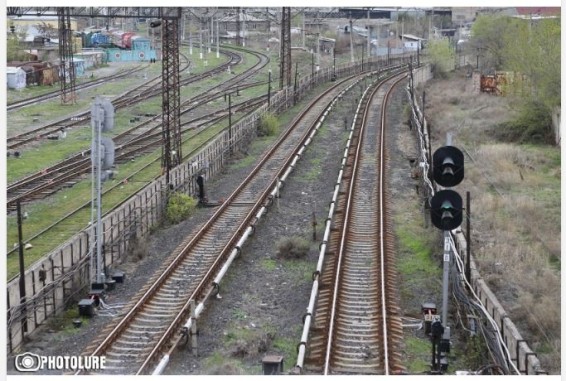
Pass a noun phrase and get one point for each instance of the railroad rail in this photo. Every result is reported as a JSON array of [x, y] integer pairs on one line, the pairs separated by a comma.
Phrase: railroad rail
[[149, 89], [137, 141], [357, 326], [68, 175], [154, 320], [81, 86], [142, 137]]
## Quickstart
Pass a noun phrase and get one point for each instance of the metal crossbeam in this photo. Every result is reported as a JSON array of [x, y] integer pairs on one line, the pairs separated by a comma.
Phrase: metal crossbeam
[[129, 12]]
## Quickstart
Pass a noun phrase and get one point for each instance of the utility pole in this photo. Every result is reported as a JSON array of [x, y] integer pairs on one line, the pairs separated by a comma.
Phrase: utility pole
[[210, 34], [190, 36], [22, 271], [312, 65], [363, 58], [238, 27], [230, 121], [334, 62], [295, 87], [217, 38], [369, 37], [244, 28], [183, 29], [200, 39], [303, 30], [317, 52], [351, 41], [269, 90]]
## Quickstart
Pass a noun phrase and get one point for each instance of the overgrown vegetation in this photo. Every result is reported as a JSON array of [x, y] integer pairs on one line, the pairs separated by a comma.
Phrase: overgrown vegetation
[[532, 49], [268, 125], [292, 247], [441, 56], [179, 207], [516, 190], [532, 125]]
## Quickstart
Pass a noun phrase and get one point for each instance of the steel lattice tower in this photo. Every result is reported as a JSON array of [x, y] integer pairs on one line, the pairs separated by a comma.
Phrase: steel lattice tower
[[67, 68], [171, 151], [285, 68]]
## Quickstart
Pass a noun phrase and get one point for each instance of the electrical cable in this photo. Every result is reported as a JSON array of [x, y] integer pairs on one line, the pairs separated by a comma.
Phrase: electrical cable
[[481, 307], [501, 345]]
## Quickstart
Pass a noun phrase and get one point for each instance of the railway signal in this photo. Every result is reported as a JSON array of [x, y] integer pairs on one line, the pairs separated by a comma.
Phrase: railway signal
[[446, 209], [448, 166], [446, 215], [102, 158], [448, 171]]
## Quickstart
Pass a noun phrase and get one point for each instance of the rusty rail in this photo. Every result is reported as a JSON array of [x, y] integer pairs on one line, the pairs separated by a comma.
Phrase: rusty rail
[[357, 324]]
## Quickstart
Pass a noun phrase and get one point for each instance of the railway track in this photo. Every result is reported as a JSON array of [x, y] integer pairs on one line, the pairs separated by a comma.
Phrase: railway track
[[357, 326], [137, 148], [82, 86], [140, 93], [135, 141], [134, 343], [139, 140]]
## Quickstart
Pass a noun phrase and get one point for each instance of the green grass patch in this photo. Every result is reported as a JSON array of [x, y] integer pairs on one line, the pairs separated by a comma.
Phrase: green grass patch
[[43, 213], [63, 323], [217, 364], [268, 264], [287, 346], [418, 354], [238, 314], [315, 166], [268, 125], [301, 268], [418, 246], [243, 162]]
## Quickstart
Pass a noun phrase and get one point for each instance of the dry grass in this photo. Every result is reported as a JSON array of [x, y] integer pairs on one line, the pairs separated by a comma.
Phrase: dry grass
[[292, 247], [515, 192]]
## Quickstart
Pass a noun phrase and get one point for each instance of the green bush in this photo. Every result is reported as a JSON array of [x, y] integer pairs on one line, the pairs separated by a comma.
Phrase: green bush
[[292, 247], [533, 125], [268, 125], [179, 207]]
